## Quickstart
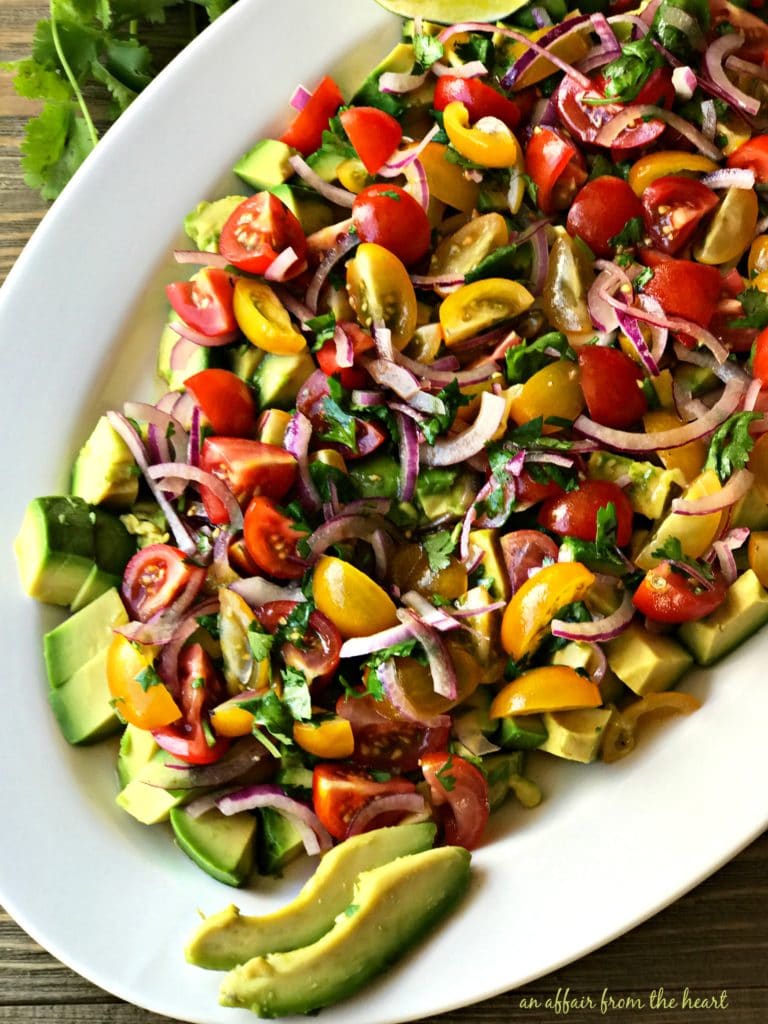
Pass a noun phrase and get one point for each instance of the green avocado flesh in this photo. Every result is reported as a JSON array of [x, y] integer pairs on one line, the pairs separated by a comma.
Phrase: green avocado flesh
[[743, 612], [392, 907], [229, 938], [221, 845]]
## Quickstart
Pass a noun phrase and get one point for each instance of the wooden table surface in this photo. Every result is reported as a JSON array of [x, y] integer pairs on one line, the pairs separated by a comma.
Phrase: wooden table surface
[[711, 941]]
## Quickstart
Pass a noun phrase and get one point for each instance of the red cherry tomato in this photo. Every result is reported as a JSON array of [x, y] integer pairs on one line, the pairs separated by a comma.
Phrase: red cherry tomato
[[666, 595], [257, 231], [657, 90], [760, 357], [673, 206], [205, 302], [155, 577], [201, 688], [556, 168], [350, 376], [248, 468], [685, 289], [225, 401], [460, 792], [479, 99], [524, 550], [315, 652], [575, 513], [530, 491], [735, 339], [383, 739], [390, 217], [374, 133], [271, 539], [305, 132], [338, 793], [752, 154], [599, 212], [584, 120], [611, 382]]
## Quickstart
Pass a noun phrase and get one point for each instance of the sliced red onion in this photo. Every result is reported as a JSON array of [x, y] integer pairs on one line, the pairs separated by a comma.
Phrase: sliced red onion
[[601, 312], [533, 49], [624, 440], [136, 448], [202, 339], [708, 119], [256, 591], [726, 561], [382, 337], [298, 435], [334, 194], [597, 57], [396, 378], [345, 244], [714, 56], [392, 803], [509, 491], [437, 280], [193, 445], [725, 371], [602, 663], [382, 546], [236, 762], [734, 490], [540, 16], [182, 353], [435, 617], [492, 337], [677, 324], [314, 835], [217, 487], [466, 529], [730, 177], [361, 646], [325, 238], [475, 375], [659, 335], [202, 259], [345, 352], [459, 448], [747, 67], [417, 183], [367, 399], [345, 528], [285, 265], [684, 82], [472, 69], [683, 22], [407, 410], [632, 330], [445, 362], [409, 456], [400, 160], [391, 81], [752, 395], [613, 128], [599, 630], [470, 735], [300, 97], [387, 674], [167, 423], [441, 666]]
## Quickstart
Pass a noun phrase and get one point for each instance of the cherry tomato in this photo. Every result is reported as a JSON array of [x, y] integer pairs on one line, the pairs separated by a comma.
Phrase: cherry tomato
[[575, 513], [305, 132], [531, 492], [556, 168], [338, 793], [599, 212], [752, 154], [460, 793], [314, 652], [666, 595], [760, 357], [390, 217], [383, 739], [479, 99], [735, 339], [350, 376], [257, 231], [247, 468], [155, 577], [225, 401], [584, 120], [205, 302], [658, 89], [380, 289], [685, 289], [673, 206], [374, 133], [524, 550], [611, 382], [201, 687], [271, 539], [140, 696]]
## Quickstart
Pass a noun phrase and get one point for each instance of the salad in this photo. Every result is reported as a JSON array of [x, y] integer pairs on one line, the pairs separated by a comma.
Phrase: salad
[[462, 450]]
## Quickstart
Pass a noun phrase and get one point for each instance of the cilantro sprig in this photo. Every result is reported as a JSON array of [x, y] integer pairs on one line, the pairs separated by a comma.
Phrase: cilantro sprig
[[731, 445]]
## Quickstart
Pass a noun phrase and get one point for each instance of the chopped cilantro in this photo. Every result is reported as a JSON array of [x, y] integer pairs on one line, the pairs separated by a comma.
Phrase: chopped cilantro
[[452, 399], [296, 696], [630, 234], [644, 277], [527, 358], [259, 641], [755, 305], [627, 75], [198, 683], [438, 548], [672, 551], [271, 713], [351, 910], [323, 328], [427, 49], [210, 623], [340, 426], [446, 779], [296, 625], [403, 650], [680, 43], [147, 678], [512, 261], [731, 444]]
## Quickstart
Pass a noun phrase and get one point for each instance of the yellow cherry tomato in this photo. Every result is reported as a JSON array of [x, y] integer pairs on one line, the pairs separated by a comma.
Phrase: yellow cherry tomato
[[416, 681], [695, 533], [666, 161], [731, 229], [570, 48], [553, 390], [488, 142], [757, 554], [689, 458], [380, 290], [139, 695], [353, 175], [461, 251], [757, 261], [230, 719], [264, 320], [446, 180], [620, 737], [355, 604], [476, 307], [760, 281], [532, 608], [569, 277], [241, 670], [549, 688], [331, 737]]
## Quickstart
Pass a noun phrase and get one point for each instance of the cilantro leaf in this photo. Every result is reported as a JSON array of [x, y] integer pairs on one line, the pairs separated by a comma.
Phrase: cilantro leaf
[[528, 358], [731, 444], [675, 39], [271, 713], [340, 426], [148, 677], [453, 400], [507, 261], [755, 305], [627, 74], [438, 548], [672, 551], [296, 696], [55, 144], [296, 625], [445, 777], [323, 327], [427, 49], [630, 234], [403, 650], [259, 641]]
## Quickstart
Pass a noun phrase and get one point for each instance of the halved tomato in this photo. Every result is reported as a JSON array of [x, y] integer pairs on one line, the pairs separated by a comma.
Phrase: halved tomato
[[685, 289], [599, 212], [374, 133], [383, 739], [247, 468], [271, 539], [258, 230], [673, 206], [201, 688], [305, 132], [460, 793], [575, 513], [205, 302], [611, 383], [556, 168], [225, 401], [158, 576], [314, 652], [666, 595], [338, 793]]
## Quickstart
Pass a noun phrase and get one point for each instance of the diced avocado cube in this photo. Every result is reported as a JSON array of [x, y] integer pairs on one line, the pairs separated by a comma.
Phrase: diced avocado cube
[[179, 359], [499, 768], [326, 164], [378, 476], [522, 732], [751, 511], [647, 662], [576, 735], [245, 360], [98, 582], [222, 845], [484, 635], [113, 543], [146, 522], [55, 549], [105, 472], [279, 842], [82, 636], [312, 212], [492, 562], [266, 165], [454, 501], [149, 804], [137, 748], [278, 378], [742, 613], [82, 703], [650, 486], [203, 225]]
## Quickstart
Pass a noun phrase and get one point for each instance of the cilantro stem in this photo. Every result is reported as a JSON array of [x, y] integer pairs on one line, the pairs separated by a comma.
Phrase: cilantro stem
[[94, 135]]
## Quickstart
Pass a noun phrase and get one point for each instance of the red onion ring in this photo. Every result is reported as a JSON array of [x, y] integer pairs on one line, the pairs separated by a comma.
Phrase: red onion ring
[[734, 490], [452, 450], [217, 487], [407, 803], [599, 630], [314, 835]]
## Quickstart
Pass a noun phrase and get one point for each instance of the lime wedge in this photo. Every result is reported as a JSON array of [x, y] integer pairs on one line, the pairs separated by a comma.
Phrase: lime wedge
[[449, 12]]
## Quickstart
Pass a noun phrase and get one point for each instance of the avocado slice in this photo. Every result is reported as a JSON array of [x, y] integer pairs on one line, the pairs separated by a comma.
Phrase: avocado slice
[[647, 662], [576, 735], [278, 378], [82, 636], [522, 732], [137, 748], [148, 802], [492, 562], [742, 613], [55, 548], [222, 845], [229, 938], [279, 843], [203, 225], [392, 907], [82, 704], [105, 472], [96, 583], [650, 487], [266, 165]]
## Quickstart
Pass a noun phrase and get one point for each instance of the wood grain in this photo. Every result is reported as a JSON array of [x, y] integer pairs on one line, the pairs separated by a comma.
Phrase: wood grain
[[713, 939]]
